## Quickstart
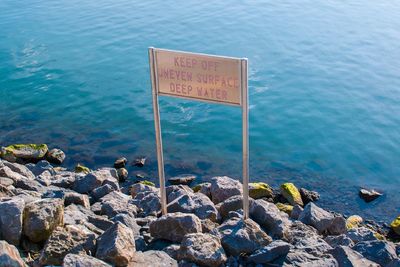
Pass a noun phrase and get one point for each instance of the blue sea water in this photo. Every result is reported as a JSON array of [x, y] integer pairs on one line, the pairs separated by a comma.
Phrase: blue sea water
[[324, 85]]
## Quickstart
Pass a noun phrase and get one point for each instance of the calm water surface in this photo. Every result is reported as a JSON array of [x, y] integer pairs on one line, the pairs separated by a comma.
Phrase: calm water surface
[[324, 84]]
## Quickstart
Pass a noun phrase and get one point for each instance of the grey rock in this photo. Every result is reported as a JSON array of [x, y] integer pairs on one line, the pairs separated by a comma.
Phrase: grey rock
[[174, 226], [95, 179], [184, 179], [64, 179], [116, 245], [73, 260], [270, 253], [20, 169], [339, 240], [338, 226], [6, 182], [270, 217], [361, 234], [308, 196], [300, 258], [378, 251], [40, 167], [204, 188], [347, 257], [122, 174], [128, 221], [295, 214], [148, 202], [157, 259], [11, 214], [9, 256], [223, 188], [7, 172], [208, 225], [141, 188], [203, 249], [41, 218], [76, 198], [56, 156], [369, 195], [44, 178], [101, 191], [120, 163], [115, 203], [233, 203], [76, 214], [30, 185], [173, 251], [241, 236], [316, 217], [175, 191]]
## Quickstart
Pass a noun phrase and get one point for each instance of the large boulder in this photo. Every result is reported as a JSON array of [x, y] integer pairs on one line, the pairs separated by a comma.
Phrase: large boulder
[[174, 226], [92, 180], [9, 256], [378, 251], [223, 188], [269, 253], [153, 258], [24, 152], [346, 256], [41, 218], [316, 217], [19, 168], [202, 249], [241, 236], [260, 190], [291, 193], [71, 239], [116, 245], [270, 217], [11, 214], [74, 260], [55, 156], [395, 225]]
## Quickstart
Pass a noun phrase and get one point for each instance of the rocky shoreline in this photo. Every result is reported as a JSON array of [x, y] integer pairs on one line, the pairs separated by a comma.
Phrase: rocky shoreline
[[50, 216]]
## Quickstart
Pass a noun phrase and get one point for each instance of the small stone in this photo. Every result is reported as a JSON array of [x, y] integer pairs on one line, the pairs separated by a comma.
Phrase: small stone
[[101, 191], [291, 193], [120, 163], [11, 214], [308, 196], [285, 208], [141, 187], [233, 203], [122, 174], [9, 256], [73, 260], [369, 195], [271, 252], [223, 188], [81, 169], [260, 190], [76, 198], [56, 156], [139, 162], [204, 188], [184, 179]]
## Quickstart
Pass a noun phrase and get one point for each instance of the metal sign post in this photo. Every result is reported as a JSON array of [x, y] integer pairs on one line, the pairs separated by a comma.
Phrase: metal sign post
[[202, 77]]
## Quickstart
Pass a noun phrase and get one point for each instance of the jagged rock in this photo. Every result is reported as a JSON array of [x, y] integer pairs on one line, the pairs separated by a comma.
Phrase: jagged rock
[[76, 198], [54, 193], [56, 156], [6, 182], [338, 226], [122, 174], [204, 188], [120, 163], [175, 191], [308, 196], [316, 217], [44, 178], [24, 152], [116, 245], [378, 251], [128, 221], [81, 169], [115, 203], [286, 208], [241, 236], [345, 256], [63, 179], [73, 260], [30, 185], [270, 217], [95, 179], [101, 191], [301, 258], [76, 214], [369, 195], [174, 226], [9, 256], [8, 173], [40, 167], [296, 211], [141, 188], [184, 179], [395, 225], [173, 251], [223, 188], [208, 225], [42, 217], [72, 239], [260, 190], [291, 194], [271, 252], [11, 212], [203, 249], [339, 240], [157, 259], [361, 234], [196, 203], [231, 204], [148, 202], [20, 169], [139, 162], [353, 221]]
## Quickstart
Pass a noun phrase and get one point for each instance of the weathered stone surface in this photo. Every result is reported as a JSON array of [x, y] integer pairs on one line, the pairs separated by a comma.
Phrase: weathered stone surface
[[353, 221], [42, 217], [148, 202], [361, 234], [223, 188], [395, 225], [30, 185], [122, 174], [116, 245], [369, 195], [296, 211], [101, 191], [316, 217], [6, 182], [291, 194], [128, 221], [7, 172], [174, 226], [339, 240], [56, 156], [74, 260], [173, 251], [208, 225], [203, 249], [231, 204], [204, 188], [241, 236], [76, 198], [95, 179], [175, 191], [72, 239], [286, 208], [11, 212], [76, 214], [115, 203], [64, 179], [345, 256], [308, 196], [378, 251], [24, 152], [270, 217], [20, 169], [338, 226], [9, 256], [260, 190], [184, 179], [271, 252], [157, 259], [301, 258], [120, 163], [141, 188], [40, 167]]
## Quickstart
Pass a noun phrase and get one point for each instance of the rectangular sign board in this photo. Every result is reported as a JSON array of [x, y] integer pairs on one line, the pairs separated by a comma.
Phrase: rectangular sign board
[[198, 76]]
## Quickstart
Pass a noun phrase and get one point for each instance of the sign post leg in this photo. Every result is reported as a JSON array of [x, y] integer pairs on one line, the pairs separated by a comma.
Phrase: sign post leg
[[245, 136], [157, 126]]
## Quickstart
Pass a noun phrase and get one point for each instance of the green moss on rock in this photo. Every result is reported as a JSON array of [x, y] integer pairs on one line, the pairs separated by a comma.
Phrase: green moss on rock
[[285, 208], [80, 168], [196, 188], [291, 193], [28, 152], [353, 221], [260, 190], [396, 225], [145, 182]]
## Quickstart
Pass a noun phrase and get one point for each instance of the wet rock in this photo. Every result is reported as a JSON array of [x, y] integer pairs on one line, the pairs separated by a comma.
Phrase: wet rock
[[270, 253], [353, 221], [11, 213], [260, 190], [72, 239], [120, 163], [122, 174], [291, 194], [20, 169], [223, 188], [369, 195], [285, 208], [203, 249], [339, 240], [81, 169], [241, 236], [204, 188], [24, 152], [338, 226], [73, 260], [270, 217], [116, 245], [96, 179], [301, 258], [395, 225], [316, 217], [139, 162], [41, 218], [141, 188], [378, 251], [9, 256], [231, 204], [41, 167], [76, 198], [55, 156], [174, 226], [184, 179], [361, 234], [345, 256], [308, 196], [157, 259], [296, 211]]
